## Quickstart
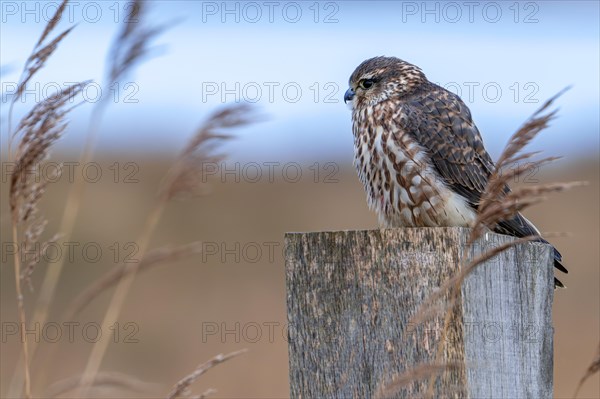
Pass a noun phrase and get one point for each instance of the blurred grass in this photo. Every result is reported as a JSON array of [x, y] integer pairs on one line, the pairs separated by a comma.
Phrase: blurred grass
[[171, 303]]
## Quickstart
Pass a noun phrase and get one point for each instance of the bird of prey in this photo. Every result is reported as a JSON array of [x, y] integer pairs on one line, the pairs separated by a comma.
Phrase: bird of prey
[[418, 152]]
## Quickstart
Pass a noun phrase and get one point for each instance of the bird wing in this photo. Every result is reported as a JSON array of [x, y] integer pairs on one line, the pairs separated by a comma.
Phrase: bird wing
[[441, 123]]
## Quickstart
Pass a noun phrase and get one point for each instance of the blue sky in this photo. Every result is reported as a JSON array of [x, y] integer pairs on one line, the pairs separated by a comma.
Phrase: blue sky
[[293, 59]]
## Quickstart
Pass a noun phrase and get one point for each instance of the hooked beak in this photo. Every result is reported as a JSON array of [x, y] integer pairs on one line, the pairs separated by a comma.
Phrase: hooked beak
[[349, 95]]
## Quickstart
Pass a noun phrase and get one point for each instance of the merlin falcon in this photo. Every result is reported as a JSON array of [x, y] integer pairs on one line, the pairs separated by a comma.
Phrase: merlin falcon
[[418, 153]]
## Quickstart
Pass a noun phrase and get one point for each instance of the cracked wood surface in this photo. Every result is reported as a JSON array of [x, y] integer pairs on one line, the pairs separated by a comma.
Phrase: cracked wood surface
[[351, 296]]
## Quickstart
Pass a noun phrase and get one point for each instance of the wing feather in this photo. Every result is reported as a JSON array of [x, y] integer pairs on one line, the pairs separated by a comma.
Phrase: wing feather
[[441, 123]]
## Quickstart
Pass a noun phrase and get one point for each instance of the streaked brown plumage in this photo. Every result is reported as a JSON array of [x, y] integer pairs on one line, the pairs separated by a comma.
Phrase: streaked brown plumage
[[418, 152]]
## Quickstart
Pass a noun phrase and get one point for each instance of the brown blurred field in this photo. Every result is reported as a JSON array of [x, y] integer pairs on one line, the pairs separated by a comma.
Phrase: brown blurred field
[[173, 304]]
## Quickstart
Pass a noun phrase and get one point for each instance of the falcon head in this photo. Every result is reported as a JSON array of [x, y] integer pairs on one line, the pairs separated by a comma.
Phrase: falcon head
[[381, 78]]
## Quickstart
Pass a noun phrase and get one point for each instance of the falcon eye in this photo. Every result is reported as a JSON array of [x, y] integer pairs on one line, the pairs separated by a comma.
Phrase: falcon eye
[[366, 83]]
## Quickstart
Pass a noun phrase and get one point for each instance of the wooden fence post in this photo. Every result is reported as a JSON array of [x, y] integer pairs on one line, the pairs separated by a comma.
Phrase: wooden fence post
[[351, 296]]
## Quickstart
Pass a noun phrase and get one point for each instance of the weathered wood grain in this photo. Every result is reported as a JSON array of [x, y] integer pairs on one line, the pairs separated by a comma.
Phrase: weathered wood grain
[[351, 296]]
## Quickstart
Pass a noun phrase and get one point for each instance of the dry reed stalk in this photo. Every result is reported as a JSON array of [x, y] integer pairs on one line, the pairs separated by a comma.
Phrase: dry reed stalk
[[497, 203], [181, 178], [22, 318], [36, 61], [416, 373], [593, 368], [111, 380], [181, 389], [39, 130], [132, 43], [429, 309], [124, 56], [128, 49], [153, 258], [187, 174]]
